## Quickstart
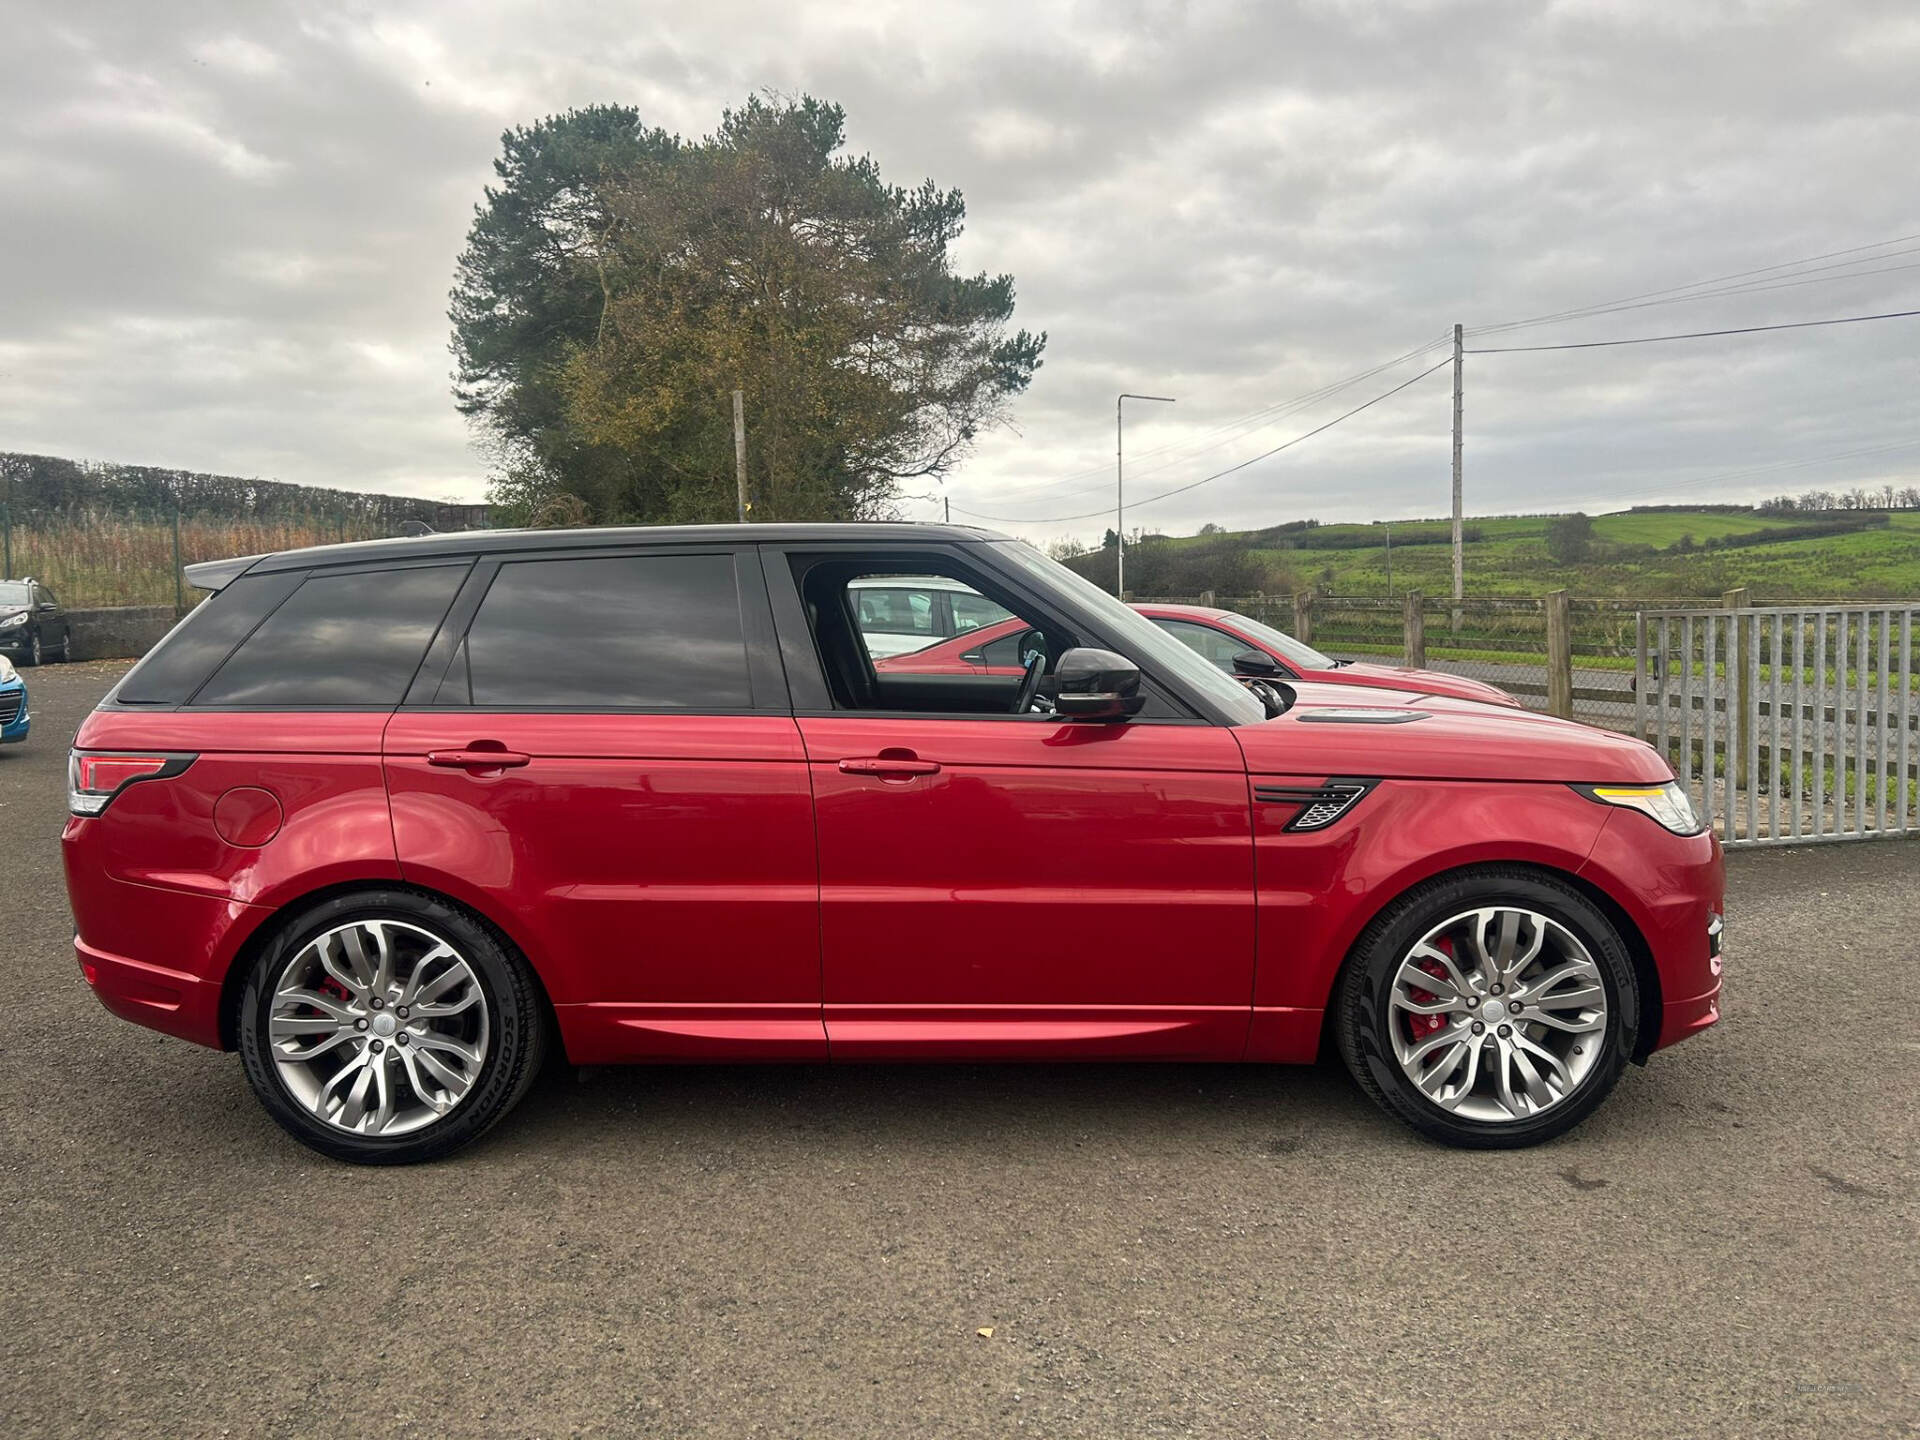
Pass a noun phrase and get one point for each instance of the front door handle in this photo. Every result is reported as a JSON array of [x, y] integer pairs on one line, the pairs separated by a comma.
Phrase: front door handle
[[889, 767], [477, 758]]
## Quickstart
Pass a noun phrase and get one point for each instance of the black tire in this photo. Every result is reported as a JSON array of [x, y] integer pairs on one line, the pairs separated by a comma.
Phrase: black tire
[[66, 646], [516, 1016], [32, 655], [1361, 1010]]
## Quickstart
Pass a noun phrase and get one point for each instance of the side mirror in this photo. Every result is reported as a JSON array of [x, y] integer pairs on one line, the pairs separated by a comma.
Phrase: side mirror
[[1097, 685], [1257, 664]]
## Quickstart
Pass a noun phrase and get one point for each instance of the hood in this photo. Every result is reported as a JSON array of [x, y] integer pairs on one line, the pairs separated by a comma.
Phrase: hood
[[1399, 734], [1431, 682]]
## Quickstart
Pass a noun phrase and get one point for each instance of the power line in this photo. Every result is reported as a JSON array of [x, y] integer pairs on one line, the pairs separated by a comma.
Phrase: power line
[[1694, 334], [1232, 429], [1219, 474], [1678, 291], [1752, 287]]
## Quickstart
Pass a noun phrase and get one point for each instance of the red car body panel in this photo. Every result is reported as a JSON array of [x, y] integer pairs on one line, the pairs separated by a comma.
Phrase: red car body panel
[[657, 870], [948, 658], [165, 902], [966, 910]]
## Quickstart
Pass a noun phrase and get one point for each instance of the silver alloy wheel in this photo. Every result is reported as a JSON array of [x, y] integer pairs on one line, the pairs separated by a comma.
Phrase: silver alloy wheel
[[1497, 1014], [379, 1027]]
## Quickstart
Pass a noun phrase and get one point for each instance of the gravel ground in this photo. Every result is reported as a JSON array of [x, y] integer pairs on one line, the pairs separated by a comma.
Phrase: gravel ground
[[1729, 1247]]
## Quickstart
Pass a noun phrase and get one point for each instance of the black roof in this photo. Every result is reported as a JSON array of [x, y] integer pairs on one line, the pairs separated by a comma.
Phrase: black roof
[[214, 574]]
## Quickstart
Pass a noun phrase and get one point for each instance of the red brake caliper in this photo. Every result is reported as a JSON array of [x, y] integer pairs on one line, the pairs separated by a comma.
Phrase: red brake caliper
[[1421, 1026]]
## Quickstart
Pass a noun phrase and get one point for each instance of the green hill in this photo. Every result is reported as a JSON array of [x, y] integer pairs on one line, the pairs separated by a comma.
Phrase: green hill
[[1635, 554]]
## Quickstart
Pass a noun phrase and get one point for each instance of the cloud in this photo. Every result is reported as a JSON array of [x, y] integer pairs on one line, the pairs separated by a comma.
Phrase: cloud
[[231, 229]]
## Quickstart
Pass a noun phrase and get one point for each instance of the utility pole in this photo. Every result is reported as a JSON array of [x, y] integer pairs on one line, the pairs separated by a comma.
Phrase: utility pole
[[1389, 530], [1120, 489], [1459, 569], [947, 501], [740, 454]]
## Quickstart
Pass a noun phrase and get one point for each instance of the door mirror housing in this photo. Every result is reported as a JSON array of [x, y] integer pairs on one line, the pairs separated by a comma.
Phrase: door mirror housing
[[1257, 664], [1097, 685]]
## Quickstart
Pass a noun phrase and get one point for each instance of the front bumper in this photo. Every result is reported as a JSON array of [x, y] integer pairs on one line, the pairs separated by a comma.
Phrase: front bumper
[[1673, 889], [15, 719]]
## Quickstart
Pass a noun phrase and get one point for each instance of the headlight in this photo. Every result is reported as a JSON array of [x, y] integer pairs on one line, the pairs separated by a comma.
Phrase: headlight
[[12, 620], [1669, 803], [6, 670]]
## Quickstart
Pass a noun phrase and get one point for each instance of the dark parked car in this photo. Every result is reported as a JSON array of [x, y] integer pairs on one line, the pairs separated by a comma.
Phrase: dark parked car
[[32, 624]]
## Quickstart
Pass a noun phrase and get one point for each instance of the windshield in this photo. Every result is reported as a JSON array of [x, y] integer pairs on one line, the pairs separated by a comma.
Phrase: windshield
[[1296, 652], [1144, 642], [12, 592]]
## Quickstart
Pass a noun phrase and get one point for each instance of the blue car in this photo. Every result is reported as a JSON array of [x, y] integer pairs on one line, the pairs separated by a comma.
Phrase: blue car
[[14, 719]]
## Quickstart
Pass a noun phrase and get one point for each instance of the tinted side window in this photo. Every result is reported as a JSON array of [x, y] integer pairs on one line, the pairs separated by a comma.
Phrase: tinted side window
[[973, 612], [340, 640], [895, 612], [1005, 651], [648, 631], [175, 668], [1215, 645]]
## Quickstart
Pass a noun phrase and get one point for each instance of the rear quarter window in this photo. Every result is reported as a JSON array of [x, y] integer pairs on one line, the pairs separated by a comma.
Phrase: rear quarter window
[[183, 659], [350, 639]]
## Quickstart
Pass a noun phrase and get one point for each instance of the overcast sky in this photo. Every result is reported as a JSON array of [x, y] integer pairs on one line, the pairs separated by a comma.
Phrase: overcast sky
[[228, 230]]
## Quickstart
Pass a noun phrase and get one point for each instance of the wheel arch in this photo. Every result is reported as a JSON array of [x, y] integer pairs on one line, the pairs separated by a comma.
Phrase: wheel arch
[[233, 985], [1646, 974]]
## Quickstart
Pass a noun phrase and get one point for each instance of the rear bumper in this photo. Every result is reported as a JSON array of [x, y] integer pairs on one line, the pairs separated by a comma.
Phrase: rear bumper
[[156, 956], [152, 995]]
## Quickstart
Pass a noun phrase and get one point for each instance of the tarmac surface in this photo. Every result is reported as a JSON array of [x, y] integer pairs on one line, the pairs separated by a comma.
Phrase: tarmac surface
[[1729, 1247]]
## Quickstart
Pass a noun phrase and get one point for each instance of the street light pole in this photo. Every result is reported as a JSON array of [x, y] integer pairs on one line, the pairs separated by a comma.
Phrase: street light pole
[[1120, 487]]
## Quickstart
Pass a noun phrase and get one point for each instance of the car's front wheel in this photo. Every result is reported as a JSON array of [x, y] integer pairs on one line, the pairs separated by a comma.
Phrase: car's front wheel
[[34, 653], [1491, 1009], [387, 1028]]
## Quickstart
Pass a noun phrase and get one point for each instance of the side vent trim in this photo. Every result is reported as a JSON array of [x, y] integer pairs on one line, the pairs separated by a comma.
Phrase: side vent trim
[[1320, 805]]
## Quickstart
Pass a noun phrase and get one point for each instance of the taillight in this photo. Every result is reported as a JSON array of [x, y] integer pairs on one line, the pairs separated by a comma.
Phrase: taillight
[[93, 778]]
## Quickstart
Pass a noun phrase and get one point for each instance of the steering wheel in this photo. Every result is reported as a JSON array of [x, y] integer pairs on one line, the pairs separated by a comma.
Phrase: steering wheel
[[1029, 683]]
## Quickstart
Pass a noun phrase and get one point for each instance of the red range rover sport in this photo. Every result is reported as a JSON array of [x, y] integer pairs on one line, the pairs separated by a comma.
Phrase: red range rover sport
[[396, 819]]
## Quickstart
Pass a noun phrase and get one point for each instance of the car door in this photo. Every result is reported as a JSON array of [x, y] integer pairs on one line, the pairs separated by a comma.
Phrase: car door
[[51, 620], [1007, 886], [600, 754]]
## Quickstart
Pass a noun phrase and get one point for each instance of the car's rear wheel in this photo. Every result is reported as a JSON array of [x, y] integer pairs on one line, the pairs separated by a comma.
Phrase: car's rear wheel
[[387, 1028], [1492, 1009]]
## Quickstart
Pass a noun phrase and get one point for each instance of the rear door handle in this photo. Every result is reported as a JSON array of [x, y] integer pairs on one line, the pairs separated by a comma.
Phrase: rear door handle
[[477, 759], [888, 767]]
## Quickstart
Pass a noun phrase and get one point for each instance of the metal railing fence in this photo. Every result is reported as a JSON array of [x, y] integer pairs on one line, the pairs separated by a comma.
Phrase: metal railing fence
[[1788, 724]]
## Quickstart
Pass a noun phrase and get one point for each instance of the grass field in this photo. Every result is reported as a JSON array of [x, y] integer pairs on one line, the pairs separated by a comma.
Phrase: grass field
[[115, 560], [129, 561], [1510, 559]]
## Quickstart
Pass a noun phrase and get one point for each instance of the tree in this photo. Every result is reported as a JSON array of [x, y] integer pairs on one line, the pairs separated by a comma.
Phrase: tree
[[621, 282], [1570, 538]]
